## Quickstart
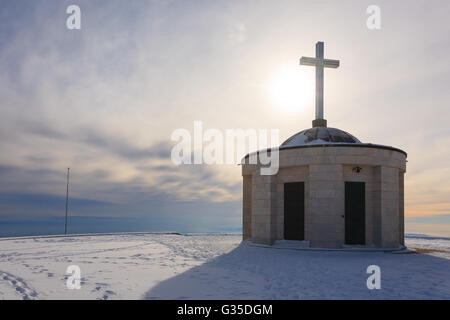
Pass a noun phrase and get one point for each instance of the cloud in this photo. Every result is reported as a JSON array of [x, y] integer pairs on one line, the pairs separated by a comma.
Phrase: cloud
[[104, 100], [437, 219]]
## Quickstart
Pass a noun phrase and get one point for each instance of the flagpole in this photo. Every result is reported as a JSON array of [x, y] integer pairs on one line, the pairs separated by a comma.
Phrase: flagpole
[[67, 200]]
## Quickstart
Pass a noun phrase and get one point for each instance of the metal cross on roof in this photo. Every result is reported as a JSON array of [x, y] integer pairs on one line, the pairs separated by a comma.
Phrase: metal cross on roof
[[320, 63]]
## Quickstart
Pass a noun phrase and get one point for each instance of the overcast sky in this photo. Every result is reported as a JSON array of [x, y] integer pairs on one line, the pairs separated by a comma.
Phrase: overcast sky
[[105, 99]]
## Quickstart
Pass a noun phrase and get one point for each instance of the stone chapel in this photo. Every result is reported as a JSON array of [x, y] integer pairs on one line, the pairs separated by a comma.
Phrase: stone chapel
[[331, 190]]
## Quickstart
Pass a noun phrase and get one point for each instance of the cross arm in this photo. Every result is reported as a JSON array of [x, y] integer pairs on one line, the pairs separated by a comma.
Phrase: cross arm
[[307, 61], [328, 63]]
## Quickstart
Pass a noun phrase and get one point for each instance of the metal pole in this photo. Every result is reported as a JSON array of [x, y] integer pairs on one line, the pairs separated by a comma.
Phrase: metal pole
[[67, 199]]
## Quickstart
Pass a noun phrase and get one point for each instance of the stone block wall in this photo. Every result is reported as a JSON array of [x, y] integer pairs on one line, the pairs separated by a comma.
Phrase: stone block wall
[[389, 207], [324, 171], [401, 203], [247, 207], [326, 203], [263, 220]]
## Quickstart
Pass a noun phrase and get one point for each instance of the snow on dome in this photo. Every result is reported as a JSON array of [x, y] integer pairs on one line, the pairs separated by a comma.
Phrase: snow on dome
[[319, 135]]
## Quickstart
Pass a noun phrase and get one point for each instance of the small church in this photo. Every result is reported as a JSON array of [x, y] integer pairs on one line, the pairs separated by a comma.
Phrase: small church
[[331, 189]]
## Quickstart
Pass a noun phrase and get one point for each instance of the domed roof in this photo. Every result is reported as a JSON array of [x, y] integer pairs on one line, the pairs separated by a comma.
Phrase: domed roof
[[319, 135]]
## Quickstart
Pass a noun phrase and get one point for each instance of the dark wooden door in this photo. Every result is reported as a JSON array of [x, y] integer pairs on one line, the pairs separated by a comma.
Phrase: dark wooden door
[[294, 211], [355, 213]]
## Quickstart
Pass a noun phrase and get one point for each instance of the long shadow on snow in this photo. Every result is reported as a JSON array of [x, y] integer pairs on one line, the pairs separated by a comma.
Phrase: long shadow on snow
[[249, 272]]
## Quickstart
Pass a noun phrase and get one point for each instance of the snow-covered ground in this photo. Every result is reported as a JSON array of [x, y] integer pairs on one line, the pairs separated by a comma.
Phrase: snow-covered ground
[[164, 266]]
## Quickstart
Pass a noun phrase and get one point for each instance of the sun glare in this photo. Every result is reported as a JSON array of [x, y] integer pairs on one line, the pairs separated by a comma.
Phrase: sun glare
[[290, 89]]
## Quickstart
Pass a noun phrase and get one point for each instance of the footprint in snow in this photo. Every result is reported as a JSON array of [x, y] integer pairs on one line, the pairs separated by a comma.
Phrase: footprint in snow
[[19, 285], [107, 294]]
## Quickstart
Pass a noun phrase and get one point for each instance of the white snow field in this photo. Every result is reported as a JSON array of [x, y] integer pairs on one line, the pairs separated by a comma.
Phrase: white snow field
[[170, 266]]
